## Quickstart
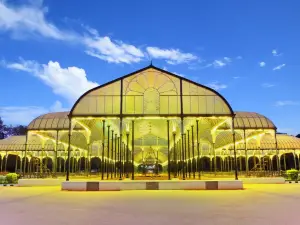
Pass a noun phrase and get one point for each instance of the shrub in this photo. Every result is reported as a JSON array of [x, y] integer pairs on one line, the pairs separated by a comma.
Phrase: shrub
[[292, 174], [2, 179], [12, 178]]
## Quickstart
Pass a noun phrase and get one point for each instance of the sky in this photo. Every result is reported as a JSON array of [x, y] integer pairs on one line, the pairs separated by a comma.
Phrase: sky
[[52, 51]]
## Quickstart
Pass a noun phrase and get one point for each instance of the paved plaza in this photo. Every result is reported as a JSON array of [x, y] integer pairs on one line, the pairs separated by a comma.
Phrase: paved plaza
[[257, 204]]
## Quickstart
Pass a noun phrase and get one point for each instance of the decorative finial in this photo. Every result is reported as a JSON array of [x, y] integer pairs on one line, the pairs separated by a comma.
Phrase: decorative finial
[[151, 62]]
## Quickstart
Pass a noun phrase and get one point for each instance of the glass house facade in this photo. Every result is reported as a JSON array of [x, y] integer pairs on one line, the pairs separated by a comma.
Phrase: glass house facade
[[150, 123]]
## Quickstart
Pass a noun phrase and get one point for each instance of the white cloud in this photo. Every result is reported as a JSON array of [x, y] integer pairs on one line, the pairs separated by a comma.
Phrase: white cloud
[[262, 64], [70, 82], [27, 20], [237, 77], [23, 115], [286, 103], [218, 63], [267, 85], [279, 67], [20, 115], [216, 85], [112, 51], [172, 56], [58, 107], [239, 57], [275, 53], [227, 59]]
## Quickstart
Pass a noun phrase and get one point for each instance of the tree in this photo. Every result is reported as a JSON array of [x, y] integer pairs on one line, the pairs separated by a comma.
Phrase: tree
[[19, 130], [1, 129], [6, 131], [298, 135]]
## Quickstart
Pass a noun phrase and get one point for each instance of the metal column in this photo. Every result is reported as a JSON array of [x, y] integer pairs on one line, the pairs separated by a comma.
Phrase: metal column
[[169, 166], [189, 155], [183, 150], [69, 150], [198, 151], [132, 150], [193, 153], [175, 155], [234, 151], [108, 159], [112, 155], [127, 155], [103, 146]]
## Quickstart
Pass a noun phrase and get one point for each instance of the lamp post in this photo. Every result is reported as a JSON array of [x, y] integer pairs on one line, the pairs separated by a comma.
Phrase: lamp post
[[183, 147], [132, 150], [120, 157], [108, 159], [157, 171], [198, 151], [169, 166], [127, 153], [193, 153], [175, 156]]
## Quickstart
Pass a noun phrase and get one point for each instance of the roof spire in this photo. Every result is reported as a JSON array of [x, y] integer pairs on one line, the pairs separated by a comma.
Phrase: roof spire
[[151, 63]]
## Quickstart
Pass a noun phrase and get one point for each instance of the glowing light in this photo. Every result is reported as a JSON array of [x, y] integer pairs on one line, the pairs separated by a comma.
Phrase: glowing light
[[127, 127]]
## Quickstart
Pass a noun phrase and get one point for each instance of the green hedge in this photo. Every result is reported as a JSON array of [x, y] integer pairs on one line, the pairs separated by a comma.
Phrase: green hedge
[[12, 178], [3, 180], [292, 174]]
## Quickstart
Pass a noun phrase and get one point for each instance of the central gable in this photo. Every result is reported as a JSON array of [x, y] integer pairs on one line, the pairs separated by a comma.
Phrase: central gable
[[151, 91]]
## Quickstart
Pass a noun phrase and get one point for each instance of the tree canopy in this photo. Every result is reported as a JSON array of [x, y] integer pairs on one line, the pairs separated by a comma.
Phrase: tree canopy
[[6, 131]]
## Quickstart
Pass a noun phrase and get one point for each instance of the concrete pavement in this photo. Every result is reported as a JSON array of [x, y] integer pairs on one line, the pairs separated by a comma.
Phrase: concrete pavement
[[257, 204]]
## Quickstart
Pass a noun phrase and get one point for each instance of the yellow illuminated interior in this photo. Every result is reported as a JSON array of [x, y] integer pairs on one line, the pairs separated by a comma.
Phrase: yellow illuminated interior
[[150, 98]]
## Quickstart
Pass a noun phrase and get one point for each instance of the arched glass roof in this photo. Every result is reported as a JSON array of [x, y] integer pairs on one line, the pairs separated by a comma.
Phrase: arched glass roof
[[250, 120], [51, 121], [17, 143], [152, 92], [288, 142], [60, 121], [267, 142]]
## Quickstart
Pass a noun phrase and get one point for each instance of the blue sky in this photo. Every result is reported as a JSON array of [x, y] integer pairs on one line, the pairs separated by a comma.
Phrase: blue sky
[[52, 51]]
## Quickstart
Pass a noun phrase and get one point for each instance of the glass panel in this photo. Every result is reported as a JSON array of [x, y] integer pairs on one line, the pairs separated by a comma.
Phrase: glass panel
[[164, 105], [105, 100], [49, 124], [37, 123], [219, 105], [208, 101], [194, 105], [186, 101], [240, 122], [264, 122], [258, 122], [65, 123], [129, 105], [42, 124], [246, 122], [150, 92], [55, 123], [174, 105], [202, 105], [251, 123]]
